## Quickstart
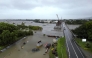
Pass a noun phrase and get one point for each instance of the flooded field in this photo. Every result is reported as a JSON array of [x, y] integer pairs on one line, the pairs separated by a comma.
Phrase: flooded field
[[15, 51], [47, 28]]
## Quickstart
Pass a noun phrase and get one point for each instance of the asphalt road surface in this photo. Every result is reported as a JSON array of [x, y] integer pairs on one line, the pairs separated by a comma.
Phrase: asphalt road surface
[[73, 49]]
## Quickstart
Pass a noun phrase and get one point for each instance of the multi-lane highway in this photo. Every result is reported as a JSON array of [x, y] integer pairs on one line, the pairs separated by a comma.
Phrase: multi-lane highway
[[73, 49]]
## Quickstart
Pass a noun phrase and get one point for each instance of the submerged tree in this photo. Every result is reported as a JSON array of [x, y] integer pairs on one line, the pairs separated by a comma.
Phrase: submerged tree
[[10, 33]]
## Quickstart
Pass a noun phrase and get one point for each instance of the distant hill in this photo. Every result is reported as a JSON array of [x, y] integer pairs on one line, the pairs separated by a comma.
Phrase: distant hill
[[88, 18]]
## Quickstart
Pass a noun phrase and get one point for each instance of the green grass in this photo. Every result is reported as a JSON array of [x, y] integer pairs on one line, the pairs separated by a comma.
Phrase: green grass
[[1, 47], [50, 54], [61, 48], [83, 45]]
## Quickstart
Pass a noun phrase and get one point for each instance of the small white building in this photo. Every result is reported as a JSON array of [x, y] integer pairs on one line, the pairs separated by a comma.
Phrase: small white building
[[45, 21], [54, 21]]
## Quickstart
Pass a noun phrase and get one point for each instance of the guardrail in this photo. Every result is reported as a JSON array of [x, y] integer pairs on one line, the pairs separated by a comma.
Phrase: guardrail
[[65, 40], [75, 41]]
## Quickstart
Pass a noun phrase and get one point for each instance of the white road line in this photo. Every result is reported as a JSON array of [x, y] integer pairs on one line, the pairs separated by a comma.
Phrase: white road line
[[77, 47], [79, 50], [67, 45], [68, 48], [72, 47]]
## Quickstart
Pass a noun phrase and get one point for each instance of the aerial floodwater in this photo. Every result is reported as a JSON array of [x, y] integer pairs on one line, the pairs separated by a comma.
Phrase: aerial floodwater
[[15, 50]]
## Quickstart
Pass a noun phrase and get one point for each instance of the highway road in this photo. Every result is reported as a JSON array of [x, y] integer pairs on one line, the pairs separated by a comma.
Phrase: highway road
[[73, 49]]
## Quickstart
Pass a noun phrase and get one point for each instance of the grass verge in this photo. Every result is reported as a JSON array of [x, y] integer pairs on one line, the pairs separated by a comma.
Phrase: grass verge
[[83, 45], [1, 47], [61, 49], [50, 54]]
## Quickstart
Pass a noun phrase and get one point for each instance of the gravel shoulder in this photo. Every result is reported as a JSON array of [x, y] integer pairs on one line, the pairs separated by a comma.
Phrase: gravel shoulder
[[87, 54]]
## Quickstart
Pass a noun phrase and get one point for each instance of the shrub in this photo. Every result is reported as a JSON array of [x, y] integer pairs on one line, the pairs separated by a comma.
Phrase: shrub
[[88, 45], [43, 34]]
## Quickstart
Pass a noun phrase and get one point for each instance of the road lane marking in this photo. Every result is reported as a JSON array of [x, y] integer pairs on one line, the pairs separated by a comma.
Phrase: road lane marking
[[67, 48], [76, 45], [79, 50], [72, 46], [67, 44]]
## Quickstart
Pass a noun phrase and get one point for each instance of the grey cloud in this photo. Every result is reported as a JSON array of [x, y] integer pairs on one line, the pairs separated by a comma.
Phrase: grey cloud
[[19, 4], [66, 8], [22, 4], [81, 12], [66, 4], [29, 4], [5, 4]]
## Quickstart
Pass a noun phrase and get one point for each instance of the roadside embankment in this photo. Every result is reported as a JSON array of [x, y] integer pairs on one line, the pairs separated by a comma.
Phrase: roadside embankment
[[61, 49]]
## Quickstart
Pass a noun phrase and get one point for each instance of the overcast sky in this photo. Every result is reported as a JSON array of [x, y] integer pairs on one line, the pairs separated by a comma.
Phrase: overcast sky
[[45, 9]]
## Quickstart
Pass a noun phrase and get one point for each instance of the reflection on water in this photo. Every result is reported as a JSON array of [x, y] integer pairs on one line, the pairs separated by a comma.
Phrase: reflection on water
[[15, 51], [47, 29]]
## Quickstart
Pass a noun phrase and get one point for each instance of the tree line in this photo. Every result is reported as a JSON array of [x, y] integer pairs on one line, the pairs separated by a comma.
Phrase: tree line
[[23, 26], [10, 33], [84, 31], [79, 21]]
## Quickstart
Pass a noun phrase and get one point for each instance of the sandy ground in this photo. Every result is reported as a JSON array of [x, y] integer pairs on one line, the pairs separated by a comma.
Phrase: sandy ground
[[16, 52]]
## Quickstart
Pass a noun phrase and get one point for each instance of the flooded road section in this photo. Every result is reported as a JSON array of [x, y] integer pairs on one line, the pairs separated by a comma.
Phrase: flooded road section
[[15, 51]]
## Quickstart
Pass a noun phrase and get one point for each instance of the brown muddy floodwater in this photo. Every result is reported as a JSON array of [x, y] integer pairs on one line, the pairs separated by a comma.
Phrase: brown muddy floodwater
[[15, 50]]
